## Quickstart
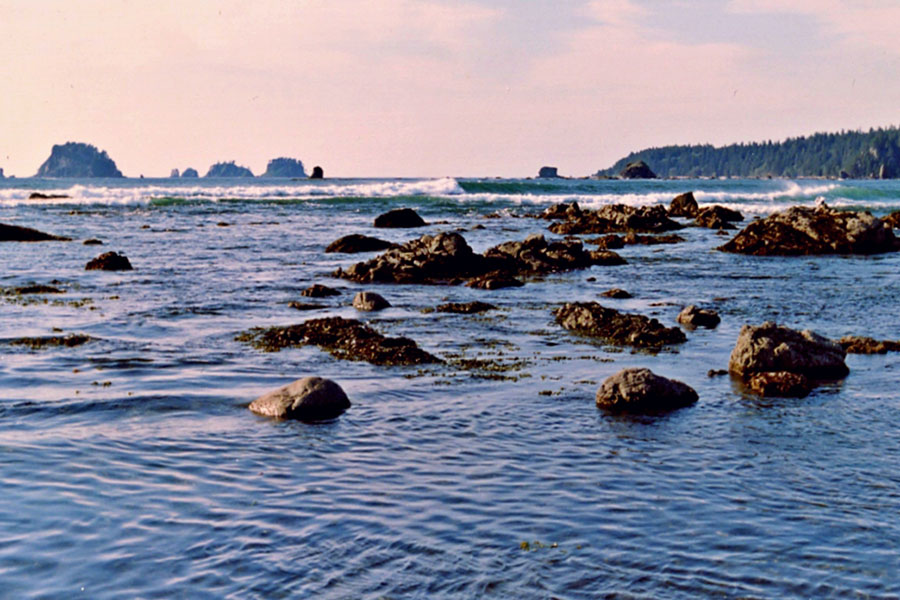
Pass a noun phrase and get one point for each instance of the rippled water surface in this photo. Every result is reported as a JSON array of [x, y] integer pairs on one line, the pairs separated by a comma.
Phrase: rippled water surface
[[131, 467]]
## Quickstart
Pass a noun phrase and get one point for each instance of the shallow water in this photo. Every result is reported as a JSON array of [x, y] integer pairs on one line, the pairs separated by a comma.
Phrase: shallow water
[[131, 467]]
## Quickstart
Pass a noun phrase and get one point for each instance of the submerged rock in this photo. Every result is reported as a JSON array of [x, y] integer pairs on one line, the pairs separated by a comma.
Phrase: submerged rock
[[781, 384], [346, 339], [306, 305], [309, 399], [854, 344], [109, 261], [637, 170], [684, 205], [804, 230], [317, 290], [642, 391], [613, 218], [42, 196], [14, 233], [370, 301], [39, 343], [37, 289], [614, 327], [354, 243], [692, 317], [400, 218], [465, 308]]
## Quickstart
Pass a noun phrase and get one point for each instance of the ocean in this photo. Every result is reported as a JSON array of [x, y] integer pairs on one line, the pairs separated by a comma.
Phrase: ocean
[[131, 467]]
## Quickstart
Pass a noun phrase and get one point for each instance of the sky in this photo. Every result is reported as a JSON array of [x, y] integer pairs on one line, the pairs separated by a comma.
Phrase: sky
[[432, 88]]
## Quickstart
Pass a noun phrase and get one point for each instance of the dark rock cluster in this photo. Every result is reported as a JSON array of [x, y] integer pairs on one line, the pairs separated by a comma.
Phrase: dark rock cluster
[[613, 218], [618, 328]]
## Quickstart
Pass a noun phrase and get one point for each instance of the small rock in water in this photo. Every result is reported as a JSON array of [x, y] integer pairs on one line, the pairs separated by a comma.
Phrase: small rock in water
[[317, 290], [400, 218], [466, 308], [616, 293], [306, 305], [693, 317], [93, 242], [353, 243], [642, 391], [614, 327], [683, 205], [854, 344], [14, 233], [109, 261], [309, 399], [370, 301]]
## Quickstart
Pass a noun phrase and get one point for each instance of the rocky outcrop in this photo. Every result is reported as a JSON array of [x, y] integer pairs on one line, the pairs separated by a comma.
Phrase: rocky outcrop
[[346, 339], [369, 302], [769, 348], [613, 218], [317, 290], [692, 317], [804, 230], [893, 219], [684, 205], [189, 173], [465, 308], [317, 173], [781, 384], [75, 159], [109, 261], [614, 327], [637, 170], [642, 391], [354, 243], [854, 344], [284, 167], [717, 217], [309, 399], [15, 233], [548, 173], [400, 218], [228, 169]]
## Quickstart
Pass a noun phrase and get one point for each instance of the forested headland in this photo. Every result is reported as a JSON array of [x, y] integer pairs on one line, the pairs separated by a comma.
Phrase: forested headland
[[855, 154]]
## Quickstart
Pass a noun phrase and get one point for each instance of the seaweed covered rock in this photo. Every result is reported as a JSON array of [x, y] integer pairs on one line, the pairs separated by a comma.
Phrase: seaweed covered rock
[[717, 217], [771, 348], [854, 344], [109, 261], [15, 233], [642, 391], [781, 384], [613, 218], [614, 327], [820, 230], [354, 243], [346, 339], [400, 218], [53, 341], [684, 205], [309, 399], [692, 317], [465, 308]]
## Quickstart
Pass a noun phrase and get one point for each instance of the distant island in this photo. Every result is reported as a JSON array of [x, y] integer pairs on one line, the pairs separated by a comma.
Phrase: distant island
[[284, 167], [852, 154], [190, 173], [228, 169], [75, 159]]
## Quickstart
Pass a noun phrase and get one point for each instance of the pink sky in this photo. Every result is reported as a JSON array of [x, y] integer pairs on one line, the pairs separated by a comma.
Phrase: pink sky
[[434, 88]]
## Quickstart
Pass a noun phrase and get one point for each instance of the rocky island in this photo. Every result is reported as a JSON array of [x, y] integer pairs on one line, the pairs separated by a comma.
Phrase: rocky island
[[75, 159], [284, 167], [228, 169]]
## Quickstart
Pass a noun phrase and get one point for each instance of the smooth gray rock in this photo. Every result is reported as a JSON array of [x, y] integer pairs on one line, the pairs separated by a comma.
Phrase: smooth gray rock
[[641, 390], [309, 399]]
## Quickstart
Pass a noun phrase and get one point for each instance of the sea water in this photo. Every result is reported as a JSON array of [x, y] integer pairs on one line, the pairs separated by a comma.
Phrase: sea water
[[131, 468]]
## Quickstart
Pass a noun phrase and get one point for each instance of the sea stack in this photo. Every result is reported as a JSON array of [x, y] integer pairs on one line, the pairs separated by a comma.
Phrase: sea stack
[[548, 173], [75, 159], [317, 173], [228, 169], [284, 167]]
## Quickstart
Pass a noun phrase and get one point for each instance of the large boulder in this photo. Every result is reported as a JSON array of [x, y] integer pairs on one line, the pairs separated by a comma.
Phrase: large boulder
[[75, 159], [370, 301], [612, 218], [692, 317], [614, 327], [309, 399], [109, 261], [717, 217], [642, 391], [284, 167], [684, 205], [400, 218], [15, 233], [353, 243], [228, 169], [771, 348], [637, 170], [805, 230]]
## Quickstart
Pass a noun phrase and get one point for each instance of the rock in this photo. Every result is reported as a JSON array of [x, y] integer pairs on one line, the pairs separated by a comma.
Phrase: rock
[[606, 258], [716, 372], [466, 308], [75, 159], [693, 317], [854, 344], [346, 339], [632, 239], [771, 348], [92, 242], [2, 176], [717, 217], [317, 173], [354, 243], [562, 211], [306, 305], [805, 230], [284, 167], [642, 391], [536, 256], [369, 301], [174, 174], [494, 281], [317, 290], [309, 399], [782, 384], [228, 169], [684, 205], [614, 327], [189, 173], [40, 196], [109, 261], [548, 173], [14, 233], [37, 289], [614, 218], [893, 219], [616, 293], [608, 242], [400, 218], [637, 170], [55, 341]]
